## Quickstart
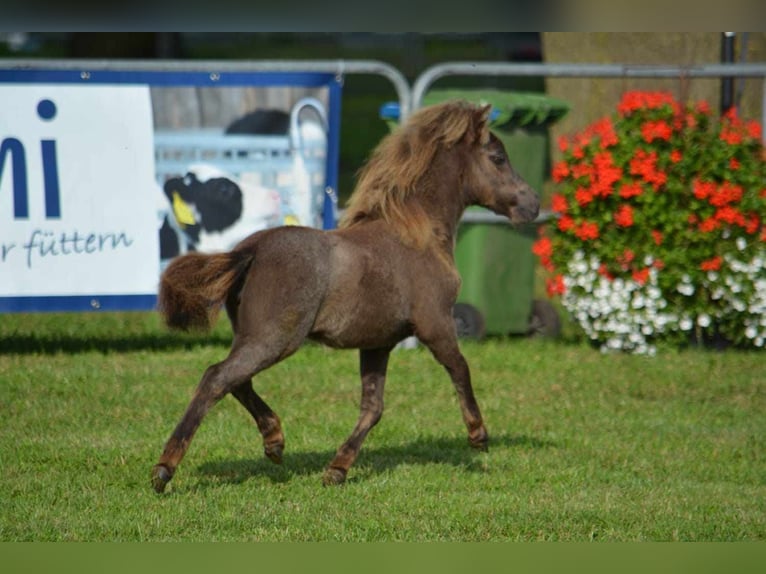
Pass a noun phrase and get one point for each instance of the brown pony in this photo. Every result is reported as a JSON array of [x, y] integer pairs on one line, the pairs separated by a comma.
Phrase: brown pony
[[387, 273]]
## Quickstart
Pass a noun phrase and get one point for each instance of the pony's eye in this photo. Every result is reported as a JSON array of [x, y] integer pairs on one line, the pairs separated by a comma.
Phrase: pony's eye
[[498, 159]]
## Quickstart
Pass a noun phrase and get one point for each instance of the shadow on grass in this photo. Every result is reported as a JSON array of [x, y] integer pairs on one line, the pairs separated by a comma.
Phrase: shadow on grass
[[452, 451], [50, 344]]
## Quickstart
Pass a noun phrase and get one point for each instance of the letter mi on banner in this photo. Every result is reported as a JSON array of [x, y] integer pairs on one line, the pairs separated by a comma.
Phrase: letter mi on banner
[[107, 175]]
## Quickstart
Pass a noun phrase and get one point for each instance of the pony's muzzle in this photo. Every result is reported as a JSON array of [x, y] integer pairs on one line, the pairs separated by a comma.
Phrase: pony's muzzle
[[527, 206]]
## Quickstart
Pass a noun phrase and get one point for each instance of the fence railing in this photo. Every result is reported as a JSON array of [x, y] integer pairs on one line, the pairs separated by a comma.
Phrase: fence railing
[[617, 71], [410, 98], [340, 68]]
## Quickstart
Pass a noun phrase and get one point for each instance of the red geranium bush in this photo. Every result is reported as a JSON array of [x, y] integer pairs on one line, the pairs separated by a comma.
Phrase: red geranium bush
[[660, 231]]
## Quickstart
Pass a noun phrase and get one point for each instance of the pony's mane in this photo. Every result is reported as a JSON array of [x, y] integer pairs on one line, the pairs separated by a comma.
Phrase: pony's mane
[[399, 163]]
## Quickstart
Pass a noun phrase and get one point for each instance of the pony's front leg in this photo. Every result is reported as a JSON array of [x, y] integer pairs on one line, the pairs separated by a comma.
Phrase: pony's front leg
[[444, 346], [372, 365]]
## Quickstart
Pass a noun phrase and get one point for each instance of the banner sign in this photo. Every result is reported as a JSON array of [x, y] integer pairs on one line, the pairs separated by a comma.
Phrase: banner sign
[[75, 183], [102, 184]]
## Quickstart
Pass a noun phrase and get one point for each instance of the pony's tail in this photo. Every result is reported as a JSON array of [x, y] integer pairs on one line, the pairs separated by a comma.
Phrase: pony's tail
[[194, 286]]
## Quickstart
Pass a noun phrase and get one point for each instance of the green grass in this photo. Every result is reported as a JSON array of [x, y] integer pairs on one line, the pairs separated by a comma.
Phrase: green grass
[[583, 446]]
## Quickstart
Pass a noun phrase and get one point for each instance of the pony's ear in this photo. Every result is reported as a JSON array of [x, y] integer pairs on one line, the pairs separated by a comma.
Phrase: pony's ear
[[480, 127]]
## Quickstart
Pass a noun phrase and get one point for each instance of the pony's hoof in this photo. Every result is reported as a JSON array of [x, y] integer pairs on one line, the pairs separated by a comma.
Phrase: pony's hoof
[[481, 444], [333, 476], [160, 477], [274, 453]]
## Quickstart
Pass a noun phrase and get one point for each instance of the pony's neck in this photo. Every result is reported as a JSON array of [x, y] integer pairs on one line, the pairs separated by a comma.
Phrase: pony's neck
[[445, 200]]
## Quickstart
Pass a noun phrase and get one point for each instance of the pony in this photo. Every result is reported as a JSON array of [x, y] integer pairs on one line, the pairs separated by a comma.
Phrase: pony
[[386, 273]]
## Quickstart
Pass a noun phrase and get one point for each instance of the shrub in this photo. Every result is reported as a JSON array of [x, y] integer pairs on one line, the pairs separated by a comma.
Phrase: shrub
[[660, 232]]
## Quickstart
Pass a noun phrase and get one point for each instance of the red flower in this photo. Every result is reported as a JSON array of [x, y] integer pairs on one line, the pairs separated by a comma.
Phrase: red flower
[[733, 130], [624, 216], [543, 247], [708, 225], [641, 276], [657, 236], [636, 100], [560, 171], [703, 189], [651, 130], [676, 156], [726, 194], [586, 231], [628, 190], [734, 163], [626, 259], [583, 196], [563, 143], [566, 223], [555, 286], [731, 137], [753, 221], [645, 165], [582, 170], [713, 264], [604, 272], [604, 129], [606, 174], [753, 130], [730, 215], [559, 203], [703, 107]]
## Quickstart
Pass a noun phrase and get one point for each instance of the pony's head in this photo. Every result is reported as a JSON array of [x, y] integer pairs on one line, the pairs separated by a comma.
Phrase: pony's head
[[445, 150], [489, 179]]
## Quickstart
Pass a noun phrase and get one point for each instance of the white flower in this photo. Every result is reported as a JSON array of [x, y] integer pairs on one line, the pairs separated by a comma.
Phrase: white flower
[[703, 320], [741, 243], [685, 324]]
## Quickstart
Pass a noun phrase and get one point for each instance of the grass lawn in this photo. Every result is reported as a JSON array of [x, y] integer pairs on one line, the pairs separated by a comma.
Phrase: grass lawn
[[583, 446]]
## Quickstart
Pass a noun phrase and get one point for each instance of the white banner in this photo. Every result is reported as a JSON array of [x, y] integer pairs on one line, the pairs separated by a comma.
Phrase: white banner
[[77, 191]]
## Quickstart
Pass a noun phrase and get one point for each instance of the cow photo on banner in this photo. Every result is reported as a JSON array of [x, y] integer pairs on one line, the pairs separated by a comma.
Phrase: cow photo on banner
[[234, 161]]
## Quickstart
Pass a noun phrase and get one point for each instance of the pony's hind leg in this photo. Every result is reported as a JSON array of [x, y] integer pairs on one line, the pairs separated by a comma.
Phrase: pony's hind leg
[[267, 420], [372, 364], [243, 362]]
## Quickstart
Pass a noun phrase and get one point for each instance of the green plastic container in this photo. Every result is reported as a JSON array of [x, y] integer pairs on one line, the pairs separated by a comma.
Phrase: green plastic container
[[497, 268], [494, 259]]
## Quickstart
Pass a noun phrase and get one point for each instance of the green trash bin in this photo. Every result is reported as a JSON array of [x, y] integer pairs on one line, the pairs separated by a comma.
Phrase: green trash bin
[[494, 259]]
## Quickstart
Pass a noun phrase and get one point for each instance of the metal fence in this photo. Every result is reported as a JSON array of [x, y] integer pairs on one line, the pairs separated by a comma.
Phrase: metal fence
[[410, 98], [616, 71], [216, 68]]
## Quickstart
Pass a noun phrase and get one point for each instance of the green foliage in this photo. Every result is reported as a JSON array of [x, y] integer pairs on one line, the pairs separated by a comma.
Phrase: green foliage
[[584, 446]]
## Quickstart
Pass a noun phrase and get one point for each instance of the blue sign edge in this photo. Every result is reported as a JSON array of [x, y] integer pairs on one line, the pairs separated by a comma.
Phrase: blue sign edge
[[78, 303]]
